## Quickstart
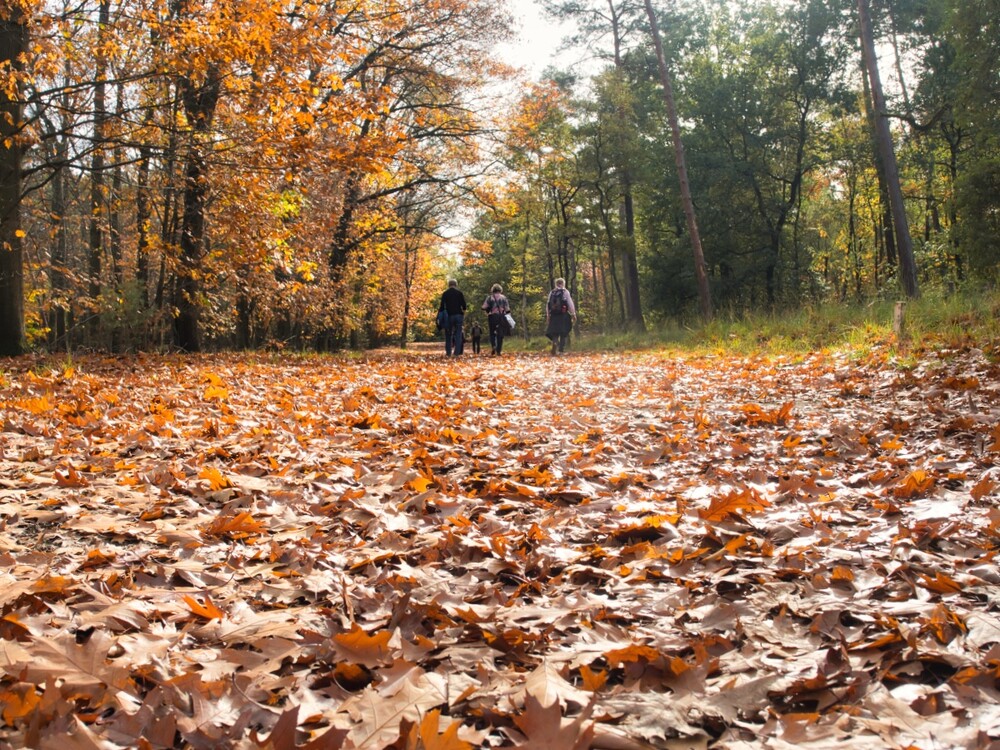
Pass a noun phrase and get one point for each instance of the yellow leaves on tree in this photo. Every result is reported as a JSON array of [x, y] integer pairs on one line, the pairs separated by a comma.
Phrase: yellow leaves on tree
[[542, 105]]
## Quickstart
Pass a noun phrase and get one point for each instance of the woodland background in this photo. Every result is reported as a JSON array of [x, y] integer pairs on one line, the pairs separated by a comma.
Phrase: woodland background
[[245, 173]]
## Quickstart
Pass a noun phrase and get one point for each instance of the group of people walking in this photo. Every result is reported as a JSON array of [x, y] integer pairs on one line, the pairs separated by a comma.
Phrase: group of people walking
[[560, 314]]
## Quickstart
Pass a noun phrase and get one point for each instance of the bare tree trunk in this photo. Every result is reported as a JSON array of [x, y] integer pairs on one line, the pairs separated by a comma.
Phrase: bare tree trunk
[[633, 303], [411, 252], [630, 262], [704, 294], [58, 277], [883, 140], [13, 43], [98, 199], [143, 218], [200, 101]]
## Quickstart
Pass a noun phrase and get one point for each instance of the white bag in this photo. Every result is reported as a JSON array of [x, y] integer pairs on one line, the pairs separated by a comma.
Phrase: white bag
[[510, 321]]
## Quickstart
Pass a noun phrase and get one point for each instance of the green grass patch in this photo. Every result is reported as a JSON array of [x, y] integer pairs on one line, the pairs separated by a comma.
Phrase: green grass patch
[[938, 321]]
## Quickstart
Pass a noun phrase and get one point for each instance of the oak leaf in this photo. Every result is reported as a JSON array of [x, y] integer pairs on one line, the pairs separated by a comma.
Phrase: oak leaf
[[544, 727], [358, 646], [734, 503], [18, 702], [433, 739], [206, 610]]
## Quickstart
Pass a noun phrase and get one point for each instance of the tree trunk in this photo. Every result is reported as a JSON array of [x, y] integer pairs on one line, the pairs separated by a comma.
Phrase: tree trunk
[[630, 263], [199, 101], [98, 199], [704, 294], [633, 303], [13, 43], [58, 277], [883, 140], [143, 219]]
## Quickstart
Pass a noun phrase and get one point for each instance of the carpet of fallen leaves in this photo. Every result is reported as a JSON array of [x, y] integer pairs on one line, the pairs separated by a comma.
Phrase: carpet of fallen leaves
[[595, 551]]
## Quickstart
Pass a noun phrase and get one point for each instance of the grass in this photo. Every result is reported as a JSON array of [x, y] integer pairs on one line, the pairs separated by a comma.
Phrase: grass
[[937, 321]]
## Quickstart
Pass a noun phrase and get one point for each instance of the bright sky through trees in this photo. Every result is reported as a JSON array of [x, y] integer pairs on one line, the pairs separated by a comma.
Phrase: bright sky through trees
[[538, 39]]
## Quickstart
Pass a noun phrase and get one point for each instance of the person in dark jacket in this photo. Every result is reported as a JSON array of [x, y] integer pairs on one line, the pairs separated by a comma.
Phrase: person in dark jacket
[[560, 315], [497, 307], [453, 303], [476, 332]]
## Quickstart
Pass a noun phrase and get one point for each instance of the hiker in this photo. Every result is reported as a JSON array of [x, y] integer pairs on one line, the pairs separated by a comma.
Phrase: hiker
[[497, 308], [560, 315], [476, 332], [453, 304]]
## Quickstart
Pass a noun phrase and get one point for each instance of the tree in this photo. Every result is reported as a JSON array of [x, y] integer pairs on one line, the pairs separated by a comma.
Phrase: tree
[[704, 293], [883, 139], [14, 20], [975, 34], [618, 21]]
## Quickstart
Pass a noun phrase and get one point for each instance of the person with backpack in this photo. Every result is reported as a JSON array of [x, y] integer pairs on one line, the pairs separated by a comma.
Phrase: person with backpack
[[453, 304], [560, 315], [497, 307]]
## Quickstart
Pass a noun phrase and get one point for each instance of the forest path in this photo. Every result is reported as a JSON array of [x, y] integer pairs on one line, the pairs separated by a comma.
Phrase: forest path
[[612, 549]]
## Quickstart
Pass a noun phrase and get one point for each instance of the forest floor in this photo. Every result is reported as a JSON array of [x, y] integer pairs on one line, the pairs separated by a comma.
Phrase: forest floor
[[593, 551]]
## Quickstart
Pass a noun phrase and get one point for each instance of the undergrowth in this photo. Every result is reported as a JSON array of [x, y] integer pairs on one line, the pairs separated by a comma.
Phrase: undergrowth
[[937, 321]]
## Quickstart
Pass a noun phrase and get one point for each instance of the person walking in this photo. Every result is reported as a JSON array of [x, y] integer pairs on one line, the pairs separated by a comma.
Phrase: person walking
[[453, 304], [497, 307], [560, 315], [476, 332]]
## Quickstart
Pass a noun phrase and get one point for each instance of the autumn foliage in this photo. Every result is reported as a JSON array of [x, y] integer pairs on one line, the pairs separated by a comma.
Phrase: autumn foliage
[[395, 552]]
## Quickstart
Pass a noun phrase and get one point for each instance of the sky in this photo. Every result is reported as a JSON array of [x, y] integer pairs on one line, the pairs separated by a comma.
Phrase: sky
[[538, 40]]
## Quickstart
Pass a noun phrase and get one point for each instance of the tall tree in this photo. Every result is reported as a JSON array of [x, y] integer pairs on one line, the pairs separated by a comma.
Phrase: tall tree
[[617, 21], [14, 19], [975, 33], [904, 241], [704, 293], [97, 231]]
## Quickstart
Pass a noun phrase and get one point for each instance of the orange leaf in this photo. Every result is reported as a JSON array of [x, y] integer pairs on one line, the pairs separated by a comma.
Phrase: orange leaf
[[236, 527], [359, 647], [747, 499], [632, 653], [38, 405], [841, 573], [736, 544], [983, 487], [51, 585], [791, 441], [941, 583], [916, 482], [207, 610], [435, 740], [593, 681], [97, 558], [891, 444], [19, 702], [419, 484], [215, 393], [71, 478], [216, 479]]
